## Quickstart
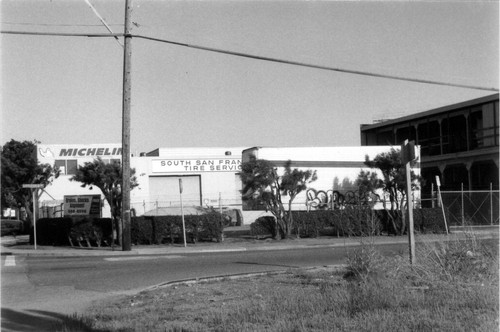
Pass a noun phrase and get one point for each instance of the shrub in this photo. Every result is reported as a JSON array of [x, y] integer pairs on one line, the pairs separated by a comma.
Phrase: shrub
[[12, 226], [311, 224], [141, 230], [429, 220], [52, 231], [364, 263], [263, 226], [233, 217], [91, 231], [463, 259], [348, 222], [168, 229], [210, 227], [72, 231]]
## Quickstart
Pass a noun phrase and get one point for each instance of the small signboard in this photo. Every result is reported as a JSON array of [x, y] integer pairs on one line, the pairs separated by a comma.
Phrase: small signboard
[[33, 185], [82, 206]]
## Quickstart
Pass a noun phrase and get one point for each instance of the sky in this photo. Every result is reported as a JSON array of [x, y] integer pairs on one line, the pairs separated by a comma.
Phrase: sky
[[68, 90]]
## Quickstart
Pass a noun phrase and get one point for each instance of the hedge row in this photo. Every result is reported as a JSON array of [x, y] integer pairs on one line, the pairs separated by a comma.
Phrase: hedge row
[[168, 229], [67, 231], [90, 232], [349, 222]]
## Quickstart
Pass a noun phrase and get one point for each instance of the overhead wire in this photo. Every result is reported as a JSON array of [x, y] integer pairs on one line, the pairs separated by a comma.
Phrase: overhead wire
[[258, 57], [102, 20], [57, 25]]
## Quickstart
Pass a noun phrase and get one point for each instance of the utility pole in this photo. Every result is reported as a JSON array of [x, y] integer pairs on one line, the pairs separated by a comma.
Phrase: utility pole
[[127, 57]]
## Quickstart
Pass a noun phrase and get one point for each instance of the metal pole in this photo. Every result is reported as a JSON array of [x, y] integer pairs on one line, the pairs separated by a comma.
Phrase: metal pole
[[34, 215], [406, 158], [432, 195], [409, 198], [440, 201], [491, 203], [182, 214], [220, 203], [462, 195]]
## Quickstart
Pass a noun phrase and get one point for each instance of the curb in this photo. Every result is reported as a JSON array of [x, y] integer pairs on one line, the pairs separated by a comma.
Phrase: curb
[[237, 276], [350, 242]]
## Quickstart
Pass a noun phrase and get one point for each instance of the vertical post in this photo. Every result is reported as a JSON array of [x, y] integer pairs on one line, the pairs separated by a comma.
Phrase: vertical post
[[220, 203], [127, 66], [432, 196], [182, 214], [440, 202], [491, 203], [462, 198], [406, 156], [34, 215], [409, 198]]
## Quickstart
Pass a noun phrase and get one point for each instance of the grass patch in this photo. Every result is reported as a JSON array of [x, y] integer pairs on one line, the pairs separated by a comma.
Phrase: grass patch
[[452, 287]]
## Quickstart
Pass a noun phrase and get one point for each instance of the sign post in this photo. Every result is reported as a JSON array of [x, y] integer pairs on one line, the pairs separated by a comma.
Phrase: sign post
[[440, 201], [407, 155], [182, 214], [34, 188]]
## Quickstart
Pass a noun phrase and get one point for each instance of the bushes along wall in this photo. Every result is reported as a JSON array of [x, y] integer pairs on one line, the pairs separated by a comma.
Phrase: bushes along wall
[[349, 222]]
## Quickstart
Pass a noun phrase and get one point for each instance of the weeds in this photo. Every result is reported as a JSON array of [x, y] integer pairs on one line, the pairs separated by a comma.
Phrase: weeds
[[453, 286]]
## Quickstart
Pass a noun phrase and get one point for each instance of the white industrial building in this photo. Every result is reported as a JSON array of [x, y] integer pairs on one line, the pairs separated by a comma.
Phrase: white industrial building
[[209, 175]]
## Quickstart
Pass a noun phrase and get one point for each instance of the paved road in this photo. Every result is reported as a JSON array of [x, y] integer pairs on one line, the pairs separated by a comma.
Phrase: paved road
[[38, 290], [41, 289]]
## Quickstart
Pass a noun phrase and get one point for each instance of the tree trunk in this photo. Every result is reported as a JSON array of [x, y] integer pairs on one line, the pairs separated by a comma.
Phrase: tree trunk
[[289, 220], [404, 207]]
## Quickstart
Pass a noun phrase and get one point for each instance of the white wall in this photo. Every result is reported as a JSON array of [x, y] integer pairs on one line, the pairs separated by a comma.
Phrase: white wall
[[330, 163]]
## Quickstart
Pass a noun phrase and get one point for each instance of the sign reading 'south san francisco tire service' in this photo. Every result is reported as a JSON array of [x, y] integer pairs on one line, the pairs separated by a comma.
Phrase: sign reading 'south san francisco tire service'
[[196, 165]]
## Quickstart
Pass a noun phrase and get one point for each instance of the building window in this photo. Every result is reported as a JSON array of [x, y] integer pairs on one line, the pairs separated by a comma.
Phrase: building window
[[406, 133], [454, 177], [67, 167], [484, 173], [429, 139], [454, 134]]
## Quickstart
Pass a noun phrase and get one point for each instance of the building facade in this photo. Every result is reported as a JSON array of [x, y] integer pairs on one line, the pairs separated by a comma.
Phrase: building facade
[[209, 177], [337, 169], [459, 143]]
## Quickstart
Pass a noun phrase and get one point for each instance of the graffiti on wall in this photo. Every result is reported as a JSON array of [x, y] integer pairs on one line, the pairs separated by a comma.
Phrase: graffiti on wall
[[334, 200]]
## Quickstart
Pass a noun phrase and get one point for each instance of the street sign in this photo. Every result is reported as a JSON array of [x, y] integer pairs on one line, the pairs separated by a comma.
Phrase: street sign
[[33, 185], [438, 182], [408, 152]]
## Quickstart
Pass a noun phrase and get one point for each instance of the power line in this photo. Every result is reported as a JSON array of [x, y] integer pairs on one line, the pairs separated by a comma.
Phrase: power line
[[302, 64], [62, 34], [57, 25], [258, 57], [102, 20]]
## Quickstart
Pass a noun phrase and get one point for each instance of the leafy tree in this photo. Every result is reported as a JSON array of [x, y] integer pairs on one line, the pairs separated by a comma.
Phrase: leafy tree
[[20, 166], [263, 185], [108, 178], [393, 183]]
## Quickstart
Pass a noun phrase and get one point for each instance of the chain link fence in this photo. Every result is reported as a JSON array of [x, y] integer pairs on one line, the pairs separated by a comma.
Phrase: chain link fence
[[469, 207]]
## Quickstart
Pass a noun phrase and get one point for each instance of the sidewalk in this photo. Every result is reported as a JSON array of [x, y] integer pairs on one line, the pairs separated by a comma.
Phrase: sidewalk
[[19, 245]]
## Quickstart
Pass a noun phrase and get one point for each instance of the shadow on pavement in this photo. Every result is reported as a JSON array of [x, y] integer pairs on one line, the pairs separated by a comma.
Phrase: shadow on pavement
[[37, 320]]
